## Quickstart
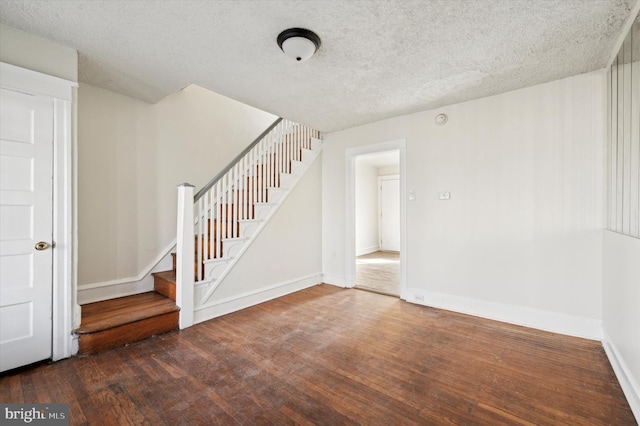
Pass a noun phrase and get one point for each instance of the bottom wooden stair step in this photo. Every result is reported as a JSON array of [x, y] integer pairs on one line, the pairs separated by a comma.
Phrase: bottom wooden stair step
[[125, 320], [165, 283]]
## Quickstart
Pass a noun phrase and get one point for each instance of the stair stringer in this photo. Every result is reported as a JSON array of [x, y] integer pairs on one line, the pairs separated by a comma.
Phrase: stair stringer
[[209, 285]]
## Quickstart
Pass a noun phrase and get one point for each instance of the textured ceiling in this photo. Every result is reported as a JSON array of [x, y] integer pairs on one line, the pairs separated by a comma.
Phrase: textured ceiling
[[378, 59]]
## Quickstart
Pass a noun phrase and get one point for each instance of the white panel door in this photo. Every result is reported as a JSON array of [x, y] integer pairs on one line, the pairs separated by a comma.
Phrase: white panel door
[[26, 193], [390, 214]]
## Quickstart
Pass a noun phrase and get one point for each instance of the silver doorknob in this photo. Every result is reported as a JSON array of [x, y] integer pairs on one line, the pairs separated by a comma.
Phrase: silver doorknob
[[42, 245]]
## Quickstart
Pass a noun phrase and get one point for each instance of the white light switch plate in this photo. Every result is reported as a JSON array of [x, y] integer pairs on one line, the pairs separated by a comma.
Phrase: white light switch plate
[[444, 195]]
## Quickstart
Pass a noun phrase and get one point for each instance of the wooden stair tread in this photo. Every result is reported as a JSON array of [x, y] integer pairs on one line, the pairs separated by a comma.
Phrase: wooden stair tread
[[124, 310], [166, 275], [165, 283]]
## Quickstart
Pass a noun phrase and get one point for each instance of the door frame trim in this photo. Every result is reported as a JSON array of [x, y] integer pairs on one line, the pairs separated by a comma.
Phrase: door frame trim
[[350, 205], [63, 94]]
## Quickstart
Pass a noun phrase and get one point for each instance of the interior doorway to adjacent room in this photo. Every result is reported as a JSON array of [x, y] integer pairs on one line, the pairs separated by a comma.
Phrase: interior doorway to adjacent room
[[377, 222]]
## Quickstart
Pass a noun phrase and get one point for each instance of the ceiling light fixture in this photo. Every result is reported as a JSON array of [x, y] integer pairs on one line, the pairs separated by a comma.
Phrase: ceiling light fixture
[[298, 43]]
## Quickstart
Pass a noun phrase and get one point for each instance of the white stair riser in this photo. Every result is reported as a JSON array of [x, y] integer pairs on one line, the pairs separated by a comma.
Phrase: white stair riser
[[232, 250], [316, 144], [298, 168], [213, 269], [276, 194], [248, 228], [262, 210], [287, 180], [308, 156]]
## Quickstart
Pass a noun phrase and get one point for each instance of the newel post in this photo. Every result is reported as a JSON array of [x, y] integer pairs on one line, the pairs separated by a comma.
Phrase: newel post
[[185, 255]]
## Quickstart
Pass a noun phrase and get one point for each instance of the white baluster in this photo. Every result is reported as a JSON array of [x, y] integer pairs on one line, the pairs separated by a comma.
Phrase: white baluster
[[279, 172], [223, 210], [236, 203], [232, 201], [268, 166], [207, 220], [298, 146], [272, 161], [251, 182], [306, 137], [258, 170], [246, 182], [290, 138], [263, 181], [218, 210], [241, 185]]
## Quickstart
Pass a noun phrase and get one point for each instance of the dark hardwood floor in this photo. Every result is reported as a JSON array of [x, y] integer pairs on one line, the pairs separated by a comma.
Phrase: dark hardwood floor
[[330, 356]]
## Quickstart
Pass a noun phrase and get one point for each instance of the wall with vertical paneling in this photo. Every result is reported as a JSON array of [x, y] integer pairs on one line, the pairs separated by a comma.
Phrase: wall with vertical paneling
[[623, 151], [523, 227], [621, 265]]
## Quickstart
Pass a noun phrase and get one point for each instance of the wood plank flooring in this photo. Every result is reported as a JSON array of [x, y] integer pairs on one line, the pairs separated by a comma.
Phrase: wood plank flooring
[[331, 356], [379, 272]]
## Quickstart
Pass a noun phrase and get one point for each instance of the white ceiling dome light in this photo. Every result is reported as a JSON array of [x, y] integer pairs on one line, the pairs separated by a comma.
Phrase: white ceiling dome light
[[298, 43]]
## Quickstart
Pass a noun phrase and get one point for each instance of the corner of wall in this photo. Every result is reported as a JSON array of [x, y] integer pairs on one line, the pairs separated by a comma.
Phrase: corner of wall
[[96, 292], [628, 383]]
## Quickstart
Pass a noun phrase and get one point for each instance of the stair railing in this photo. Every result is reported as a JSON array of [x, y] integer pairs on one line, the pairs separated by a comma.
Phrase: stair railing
[[230, 200]]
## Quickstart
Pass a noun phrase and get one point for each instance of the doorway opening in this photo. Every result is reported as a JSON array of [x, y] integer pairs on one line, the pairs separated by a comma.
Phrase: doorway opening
[[375, 235], [379, 272]]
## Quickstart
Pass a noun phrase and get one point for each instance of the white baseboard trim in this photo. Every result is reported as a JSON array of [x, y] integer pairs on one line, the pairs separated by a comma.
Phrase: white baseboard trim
[[571, 325], [367, 250], [628, 383], [232, 304], [114, 290], [97, 292], [334, 280]]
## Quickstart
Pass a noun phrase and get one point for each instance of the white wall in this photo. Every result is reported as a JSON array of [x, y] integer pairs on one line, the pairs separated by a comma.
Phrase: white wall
[[367, 238], [131, 157], [523, 227], [37, 54], [289, 248], [116, 171], [621, 265], [388, 170], [621, 311]]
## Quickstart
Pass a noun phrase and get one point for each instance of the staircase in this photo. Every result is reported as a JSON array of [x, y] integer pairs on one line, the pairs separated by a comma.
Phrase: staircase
[[232, 209], [228, 214]]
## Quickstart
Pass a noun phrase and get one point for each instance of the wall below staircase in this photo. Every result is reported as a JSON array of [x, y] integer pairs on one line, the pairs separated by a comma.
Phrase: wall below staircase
[[131, 157], [285, 257]]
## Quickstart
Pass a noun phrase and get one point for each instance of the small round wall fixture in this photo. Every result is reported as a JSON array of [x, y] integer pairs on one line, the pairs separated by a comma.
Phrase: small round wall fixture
[[298, 43], [441, 119]]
